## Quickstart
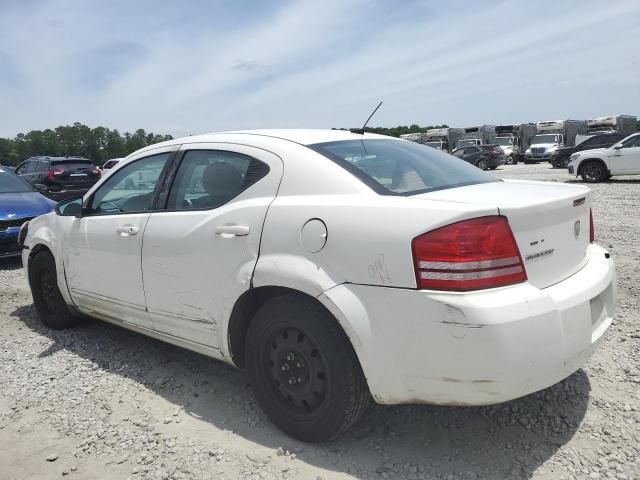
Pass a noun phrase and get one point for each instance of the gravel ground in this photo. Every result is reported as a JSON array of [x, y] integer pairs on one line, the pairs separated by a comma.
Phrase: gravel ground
[[99, 402]]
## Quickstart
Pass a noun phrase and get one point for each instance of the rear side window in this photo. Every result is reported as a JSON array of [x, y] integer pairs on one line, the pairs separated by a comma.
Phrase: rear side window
[[69, 166], [394, 167], [208, 179]]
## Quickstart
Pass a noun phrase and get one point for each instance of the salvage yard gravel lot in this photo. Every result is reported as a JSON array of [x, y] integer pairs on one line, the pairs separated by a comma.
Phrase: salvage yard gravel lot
[[99, 402]]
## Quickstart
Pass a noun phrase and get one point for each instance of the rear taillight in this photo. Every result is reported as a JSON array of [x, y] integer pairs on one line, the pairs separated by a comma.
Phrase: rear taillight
[[52, 174], [592, 233], [493, 153], [470, 255]]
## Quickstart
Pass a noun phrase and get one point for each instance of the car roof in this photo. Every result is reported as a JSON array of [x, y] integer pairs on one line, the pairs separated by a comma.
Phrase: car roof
[[299, 136]]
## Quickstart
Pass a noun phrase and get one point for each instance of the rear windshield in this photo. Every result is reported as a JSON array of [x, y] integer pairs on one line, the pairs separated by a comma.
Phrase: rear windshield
[[10, 183], [394, 167], [72, 165]]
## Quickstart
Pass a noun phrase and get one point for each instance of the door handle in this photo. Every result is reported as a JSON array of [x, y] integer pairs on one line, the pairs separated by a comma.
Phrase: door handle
[[232, 230], [127, 230]]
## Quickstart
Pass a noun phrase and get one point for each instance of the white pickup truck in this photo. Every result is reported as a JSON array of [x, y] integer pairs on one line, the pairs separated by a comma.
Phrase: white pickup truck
[[622, 158]]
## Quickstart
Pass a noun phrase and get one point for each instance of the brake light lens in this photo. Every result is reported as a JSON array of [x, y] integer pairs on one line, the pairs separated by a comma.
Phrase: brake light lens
[[52, 174], [469, 255], [592, 233]]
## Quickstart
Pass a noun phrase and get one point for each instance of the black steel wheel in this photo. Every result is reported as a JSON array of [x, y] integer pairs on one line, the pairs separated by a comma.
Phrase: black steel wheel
[[511, 160], [593, 172], [303, 369], [49, 303]]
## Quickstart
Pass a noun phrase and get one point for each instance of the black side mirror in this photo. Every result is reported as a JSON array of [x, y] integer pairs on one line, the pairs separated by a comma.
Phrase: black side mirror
[[71, 207], [40, 187]]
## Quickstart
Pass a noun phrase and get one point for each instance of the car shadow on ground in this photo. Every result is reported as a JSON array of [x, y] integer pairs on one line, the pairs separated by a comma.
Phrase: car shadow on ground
[[506, 441], [10, 263], [611, 181]]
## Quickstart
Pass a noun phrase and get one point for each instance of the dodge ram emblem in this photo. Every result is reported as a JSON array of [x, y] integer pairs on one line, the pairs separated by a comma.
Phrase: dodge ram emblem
[[576, 229]]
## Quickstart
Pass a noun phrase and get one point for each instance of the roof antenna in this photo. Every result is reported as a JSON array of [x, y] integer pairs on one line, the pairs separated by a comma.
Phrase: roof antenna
[[361, 130]]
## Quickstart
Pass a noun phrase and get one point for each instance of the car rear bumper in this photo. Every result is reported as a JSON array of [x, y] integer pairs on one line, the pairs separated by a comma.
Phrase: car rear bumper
[[476, 348]]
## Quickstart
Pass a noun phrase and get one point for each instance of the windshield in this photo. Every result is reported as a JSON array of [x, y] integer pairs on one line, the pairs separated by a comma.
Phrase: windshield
[[10, 183], [545, 139], [470, 142], [437, 145], [401, 168], [503, 141]]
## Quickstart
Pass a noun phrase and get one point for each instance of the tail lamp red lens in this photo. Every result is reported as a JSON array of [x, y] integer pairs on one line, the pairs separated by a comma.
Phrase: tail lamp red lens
[[52, 174], [469, 255]]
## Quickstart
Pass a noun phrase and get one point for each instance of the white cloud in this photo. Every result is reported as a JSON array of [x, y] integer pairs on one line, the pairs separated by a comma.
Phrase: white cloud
[[315, 64]]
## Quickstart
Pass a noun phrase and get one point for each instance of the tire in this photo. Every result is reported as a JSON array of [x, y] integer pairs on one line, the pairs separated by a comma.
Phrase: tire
[[303, 370], [482, 164], [511, 160], [593, 172], [49, 303], [564, 162]]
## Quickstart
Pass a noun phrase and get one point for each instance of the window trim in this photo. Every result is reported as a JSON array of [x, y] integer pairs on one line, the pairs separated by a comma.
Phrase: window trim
[[172, 174], [154, 202]]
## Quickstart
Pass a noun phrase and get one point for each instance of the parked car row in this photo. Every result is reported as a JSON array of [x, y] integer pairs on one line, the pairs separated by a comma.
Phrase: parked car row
[[19, 203], [544, 141]]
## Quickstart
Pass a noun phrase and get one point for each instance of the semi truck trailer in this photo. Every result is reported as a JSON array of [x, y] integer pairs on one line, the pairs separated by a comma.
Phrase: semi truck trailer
[[442, 138], [626, 124], [514, 140], [480, 135]]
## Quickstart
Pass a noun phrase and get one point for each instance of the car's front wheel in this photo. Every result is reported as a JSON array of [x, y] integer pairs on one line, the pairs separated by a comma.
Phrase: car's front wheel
[[593, 172], [303, 369], [49, 303]]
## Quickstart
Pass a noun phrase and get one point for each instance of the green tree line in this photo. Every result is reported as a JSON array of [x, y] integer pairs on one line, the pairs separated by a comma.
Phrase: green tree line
[[402, 129], [97, 144]]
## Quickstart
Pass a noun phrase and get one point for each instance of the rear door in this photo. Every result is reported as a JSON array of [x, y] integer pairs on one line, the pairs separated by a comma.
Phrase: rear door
[[28, 170], [198, 255]]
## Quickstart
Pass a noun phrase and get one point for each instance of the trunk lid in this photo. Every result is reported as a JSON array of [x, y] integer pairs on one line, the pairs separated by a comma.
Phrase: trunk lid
[[550, 222]]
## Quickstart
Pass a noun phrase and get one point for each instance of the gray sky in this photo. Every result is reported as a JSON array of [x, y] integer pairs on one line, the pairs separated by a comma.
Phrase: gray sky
[[201, 66]]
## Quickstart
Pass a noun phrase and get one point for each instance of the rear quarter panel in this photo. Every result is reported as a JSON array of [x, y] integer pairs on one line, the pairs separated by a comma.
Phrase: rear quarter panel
[[368, 239]]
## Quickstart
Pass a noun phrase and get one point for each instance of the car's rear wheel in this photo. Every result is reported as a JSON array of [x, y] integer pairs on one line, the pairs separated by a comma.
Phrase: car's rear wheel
[[593, 172], [511, 160], [303, 369], [482, 164], [49, 303]]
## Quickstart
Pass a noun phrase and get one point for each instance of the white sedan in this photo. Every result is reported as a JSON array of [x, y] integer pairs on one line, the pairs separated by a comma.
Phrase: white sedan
[[334, 267]]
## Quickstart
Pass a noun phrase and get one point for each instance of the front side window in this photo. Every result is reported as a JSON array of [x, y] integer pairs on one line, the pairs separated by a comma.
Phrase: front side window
[[632, 142], [131, 188], [392, 167], [207, 179]]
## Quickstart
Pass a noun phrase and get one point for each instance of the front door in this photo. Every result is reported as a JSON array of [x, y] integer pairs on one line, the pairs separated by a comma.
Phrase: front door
[[626, 160], [103, 248], [198, 255]]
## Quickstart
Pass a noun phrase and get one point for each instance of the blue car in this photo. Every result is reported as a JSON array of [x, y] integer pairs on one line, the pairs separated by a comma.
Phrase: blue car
[[19, 203]]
